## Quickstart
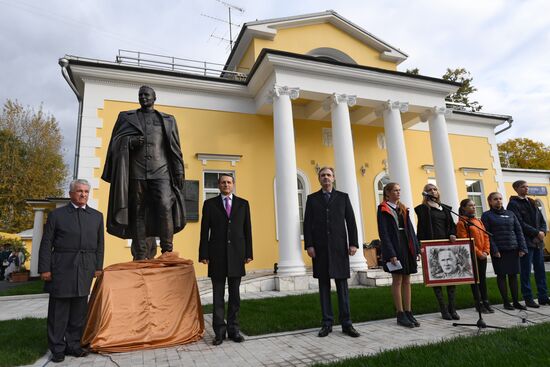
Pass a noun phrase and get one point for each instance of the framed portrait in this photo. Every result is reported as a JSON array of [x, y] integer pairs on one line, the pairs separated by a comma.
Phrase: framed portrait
[[448, 263]]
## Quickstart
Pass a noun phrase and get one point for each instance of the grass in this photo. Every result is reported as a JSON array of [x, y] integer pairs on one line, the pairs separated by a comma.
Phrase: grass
[[271, 315], [30, 287], [512, 347], [22, 341]]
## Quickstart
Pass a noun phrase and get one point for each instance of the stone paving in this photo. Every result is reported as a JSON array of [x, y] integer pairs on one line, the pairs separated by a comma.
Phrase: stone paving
[[298, 348]]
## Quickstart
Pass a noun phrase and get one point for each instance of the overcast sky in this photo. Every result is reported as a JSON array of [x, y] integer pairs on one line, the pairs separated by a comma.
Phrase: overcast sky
[[504, 44]]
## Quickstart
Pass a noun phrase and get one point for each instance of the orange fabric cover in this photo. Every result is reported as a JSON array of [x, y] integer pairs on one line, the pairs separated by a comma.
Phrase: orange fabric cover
[[144, 304]]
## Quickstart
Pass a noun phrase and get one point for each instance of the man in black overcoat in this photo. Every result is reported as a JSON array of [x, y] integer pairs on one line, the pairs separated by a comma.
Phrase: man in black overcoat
[[330, 237], [71, 255], [144, 165], [226, 246]]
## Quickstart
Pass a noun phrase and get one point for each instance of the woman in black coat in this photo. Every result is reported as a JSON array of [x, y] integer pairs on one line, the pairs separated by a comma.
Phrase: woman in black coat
[[434, 223], [399, 247], [507, 246]]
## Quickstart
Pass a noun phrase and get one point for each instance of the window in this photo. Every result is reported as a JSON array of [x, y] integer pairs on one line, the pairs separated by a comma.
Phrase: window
[[379, 182], [303, 190], [474, 189], [540, 206], [210, 183]]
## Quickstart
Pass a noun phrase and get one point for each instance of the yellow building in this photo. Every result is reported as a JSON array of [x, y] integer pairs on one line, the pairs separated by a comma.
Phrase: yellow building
[[296, 93]]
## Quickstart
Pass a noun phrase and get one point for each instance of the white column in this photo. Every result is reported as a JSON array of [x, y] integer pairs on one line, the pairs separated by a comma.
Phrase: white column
[[344, 158], [397, 152], [443, 159], [37, 231], [288, 217]]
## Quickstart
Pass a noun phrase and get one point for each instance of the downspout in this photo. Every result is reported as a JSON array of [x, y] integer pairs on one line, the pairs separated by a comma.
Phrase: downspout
[[509, 121], [63, 62]]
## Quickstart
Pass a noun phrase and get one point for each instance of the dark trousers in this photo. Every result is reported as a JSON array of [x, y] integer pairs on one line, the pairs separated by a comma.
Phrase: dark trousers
[[533, 258], [343, 302], [150, 198], [233, 305], [66, 319], [481, 270]]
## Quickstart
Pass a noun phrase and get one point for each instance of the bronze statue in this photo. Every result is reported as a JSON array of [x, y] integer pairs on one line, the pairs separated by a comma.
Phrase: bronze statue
[[144, 165]]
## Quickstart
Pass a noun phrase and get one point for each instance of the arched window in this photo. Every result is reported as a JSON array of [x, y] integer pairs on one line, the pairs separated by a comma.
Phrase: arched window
[[303, 191], [379, 182], [331, 54]]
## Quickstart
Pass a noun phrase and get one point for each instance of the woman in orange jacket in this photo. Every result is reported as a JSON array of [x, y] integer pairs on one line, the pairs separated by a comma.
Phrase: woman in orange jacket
[[467, 210]]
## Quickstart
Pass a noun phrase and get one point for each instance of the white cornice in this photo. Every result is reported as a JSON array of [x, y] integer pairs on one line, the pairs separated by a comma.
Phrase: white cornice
[[358, 74], [475, 119], [105, 75]]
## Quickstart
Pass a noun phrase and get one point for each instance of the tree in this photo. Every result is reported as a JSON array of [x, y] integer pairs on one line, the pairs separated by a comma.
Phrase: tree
[[31, 163], [524, 153], [462, 95]]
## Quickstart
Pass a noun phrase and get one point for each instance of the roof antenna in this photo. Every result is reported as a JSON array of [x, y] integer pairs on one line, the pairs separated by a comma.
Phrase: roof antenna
[[229, 22]]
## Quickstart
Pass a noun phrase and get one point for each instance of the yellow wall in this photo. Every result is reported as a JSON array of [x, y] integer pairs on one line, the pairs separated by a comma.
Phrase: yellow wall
[[304, 39], [203, 131]]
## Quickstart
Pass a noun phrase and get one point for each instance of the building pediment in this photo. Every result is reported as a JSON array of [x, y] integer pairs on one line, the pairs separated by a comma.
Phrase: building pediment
[[266, 33]]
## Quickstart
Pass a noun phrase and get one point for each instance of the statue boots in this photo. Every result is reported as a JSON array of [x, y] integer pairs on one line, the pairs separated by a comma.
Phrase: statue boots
[[442, 307]]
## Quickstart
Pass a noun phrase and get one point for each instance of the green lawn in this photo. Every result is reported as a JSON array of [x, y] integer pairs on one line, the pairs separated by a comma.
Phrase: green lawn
[[270, 315], [22, 342], [512, 347], [30, 287]]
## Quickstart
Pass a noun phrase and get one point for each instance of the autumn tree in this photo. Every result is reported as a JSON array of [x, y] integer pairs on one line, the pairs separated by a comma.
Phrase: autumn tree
[[524, 153], [462, 95], [31, 163]]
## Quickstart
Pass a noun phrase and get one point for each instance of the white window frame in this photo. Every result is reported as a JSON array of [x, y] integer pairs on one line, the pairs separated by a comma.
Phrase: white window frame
[[216, 191], [376, 191], [480, 194], [300, 175]]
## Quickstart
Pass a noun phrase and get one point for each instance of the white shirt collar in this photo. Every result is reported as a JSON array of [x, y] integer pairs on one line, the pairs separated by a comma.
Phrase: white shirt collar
[[230, 196], [76, 206]]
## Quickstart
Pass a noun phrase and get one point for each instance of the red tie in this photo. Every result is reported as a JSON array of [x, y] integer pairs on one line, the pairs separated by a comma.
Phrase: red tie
[[227, 206]]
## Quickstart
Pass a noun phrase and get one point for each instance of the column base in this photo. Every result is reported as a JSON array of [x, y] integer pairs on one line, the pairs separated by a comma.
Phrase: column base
[[292, 282]]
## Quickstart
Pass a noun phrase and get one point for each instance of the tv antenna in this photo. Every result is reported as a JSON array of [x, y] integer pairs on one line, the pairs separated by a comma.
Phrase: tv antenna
[[228, 22]]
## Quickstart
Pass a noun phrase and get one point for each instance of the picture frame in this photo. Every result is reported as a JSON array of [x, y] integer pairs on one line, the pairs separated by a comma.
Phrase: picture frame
[[448, 263]]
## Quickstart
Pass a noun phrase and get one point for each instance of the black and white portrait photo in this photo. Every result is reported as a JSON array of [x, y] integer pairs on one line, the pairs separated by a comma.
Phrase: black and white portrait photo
[[447, 262]]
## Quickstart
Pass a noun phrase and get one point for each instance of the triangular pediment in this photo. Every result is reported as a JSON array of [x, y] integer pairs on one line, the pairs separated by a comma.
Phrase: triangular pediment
[[325, 34]]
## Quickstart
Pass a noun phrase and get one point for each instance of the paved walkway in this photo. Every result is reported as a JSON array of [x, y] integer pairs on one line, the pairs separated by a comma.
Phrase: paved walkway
[[299, 348]]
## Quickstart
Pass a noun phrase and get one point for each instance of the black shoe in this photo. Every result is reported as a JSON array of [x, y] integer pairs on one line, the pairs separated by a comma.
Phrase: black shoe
[[488, 307], [519, 306], [445, 314], [58, 357], [237, 337], [403, 320], [453, 314], [78, 352], [544, 302], [218, 339], [508, 306], [410, 316], [325, 330], [531, 303], [350, 330]]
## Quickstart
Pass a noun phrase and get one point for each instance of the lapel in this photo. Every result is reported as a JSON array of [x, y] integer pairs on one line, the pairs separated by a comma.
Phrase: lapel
[[235, 205], [166, 124], [218, 203], [132, 117]]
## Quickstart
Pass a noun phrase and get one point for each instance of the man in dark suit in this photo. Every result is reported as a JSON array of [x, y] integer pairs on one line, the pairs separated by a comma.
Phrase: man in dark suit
[[330, 236], [71, 255], [144, 165], [226, 246]]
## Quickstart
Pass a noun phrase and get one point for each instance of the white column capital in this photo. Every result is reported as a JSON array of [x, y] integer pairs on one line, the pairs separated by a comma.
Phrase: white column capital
[[278, 91], [336, 99], [392, 105], [425, 116]]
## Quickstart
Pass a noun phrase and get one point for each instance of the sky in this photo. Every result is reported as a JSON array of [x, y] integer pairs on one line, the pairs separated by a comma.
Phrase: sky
[[505, 45]]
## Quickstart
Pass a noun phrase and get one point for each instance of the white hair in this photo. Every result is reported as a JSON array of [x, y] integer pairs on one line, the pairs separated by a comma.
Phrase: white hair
[[79, 181]]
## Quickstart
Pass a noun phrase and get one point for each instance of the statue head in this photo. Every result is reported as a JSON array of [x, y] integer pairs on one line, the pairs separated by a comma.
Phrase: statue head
[[147, 97]]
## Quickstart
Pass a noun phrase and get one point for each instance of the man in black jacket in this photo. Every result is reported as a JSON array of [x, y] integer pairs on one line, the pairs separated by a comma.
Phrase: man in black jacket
[[226, 246], [330, 237], [71, 255], [534, 231]]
